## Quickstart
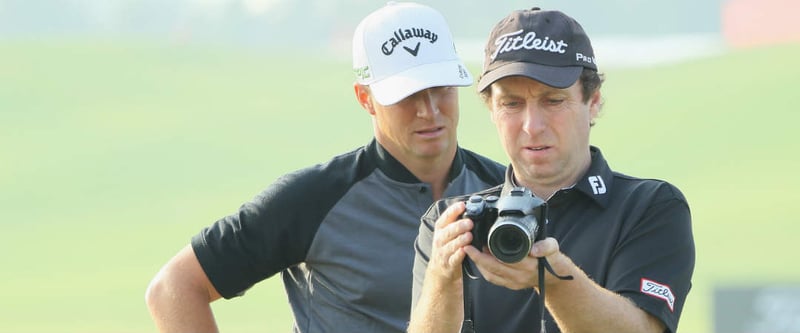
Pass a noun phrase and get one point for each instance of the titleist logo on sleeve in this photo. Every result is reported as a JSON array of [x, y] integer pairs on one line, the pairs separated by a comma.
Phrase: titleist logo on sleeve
[[513, 41], [658, 290]]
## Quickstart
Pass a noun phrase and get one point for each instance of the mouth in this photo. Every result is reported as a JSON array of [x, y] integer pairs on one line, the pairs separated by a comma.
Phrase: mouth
[[430, 131], [538, 148], [538, 151]]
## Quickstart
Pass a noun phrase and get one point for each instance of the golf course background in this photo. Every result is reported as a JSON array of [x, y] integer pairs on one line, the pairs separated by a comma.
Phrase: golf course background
[[112, 155]]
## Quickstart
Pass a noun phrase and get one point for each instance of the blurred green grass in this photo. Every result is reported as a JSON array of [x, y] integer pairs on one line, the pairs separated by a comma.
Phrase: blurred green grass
[[113, 154]]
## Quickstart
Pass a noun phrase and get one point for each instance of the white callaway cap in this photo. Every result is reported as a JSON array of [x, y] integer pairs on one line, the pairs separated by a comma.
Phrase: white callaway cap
[[403, 48]]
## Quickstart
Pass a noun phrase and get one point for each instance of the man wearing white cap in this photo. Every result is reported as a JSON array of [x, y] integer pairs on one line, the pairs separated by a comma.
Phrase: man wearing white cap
[[619, 250], [341, 233]]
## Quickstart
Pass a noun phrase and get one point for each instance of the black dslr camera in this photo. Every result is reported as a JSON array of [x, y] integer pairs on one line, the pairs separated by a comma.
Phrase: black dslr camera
[[508, 224]]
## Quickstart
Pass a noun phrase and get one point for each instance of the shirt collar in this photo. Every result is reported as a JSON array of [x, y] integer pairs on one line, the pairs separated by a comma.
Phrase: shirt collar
[[397, 171], [596, 183]]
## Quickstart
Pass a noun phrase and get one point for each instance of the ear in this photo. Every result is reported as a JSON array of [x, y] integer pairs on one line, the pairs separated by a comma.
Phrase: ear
[[595, 104], [363, 97]]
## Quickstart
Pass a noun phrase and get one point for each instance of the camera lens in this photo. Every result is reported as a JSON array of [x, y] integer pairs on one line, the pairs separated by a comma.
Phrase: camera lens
[[510, 241]]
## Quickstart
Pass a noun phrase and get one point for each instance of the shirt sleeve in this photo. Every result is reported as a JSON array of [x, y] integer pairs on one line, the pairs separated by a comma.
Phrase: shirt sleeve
[[268, 234], [654, 261], [422, 249]]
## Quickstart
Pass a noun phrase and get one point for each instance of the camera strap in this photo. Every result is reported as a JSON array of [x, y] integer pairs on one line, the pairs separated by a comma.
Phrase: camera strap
[[544, 264], [468, 325]]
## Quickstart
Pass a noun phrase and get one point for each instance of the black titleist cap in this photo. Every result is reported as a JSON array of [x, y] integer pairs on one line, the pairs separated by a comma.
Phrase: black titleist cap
[[545, 45]]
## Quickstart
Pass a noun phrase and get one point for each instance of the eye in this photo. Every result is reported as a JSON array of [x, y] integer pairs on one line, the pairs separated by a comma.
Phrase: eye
[[510, 105], [509, 101], [554, 101]]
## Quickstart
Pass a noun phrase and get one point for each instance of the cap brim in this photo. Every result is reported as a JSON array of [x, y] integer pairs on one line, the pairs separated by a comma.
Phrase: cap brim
[[401, 85], [558, 77]]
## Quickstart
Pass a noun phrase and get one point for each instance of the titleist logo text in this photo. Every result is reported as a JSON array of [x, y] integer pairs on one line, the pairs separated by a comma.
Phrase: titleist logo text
[[516, 41], [658, 290]]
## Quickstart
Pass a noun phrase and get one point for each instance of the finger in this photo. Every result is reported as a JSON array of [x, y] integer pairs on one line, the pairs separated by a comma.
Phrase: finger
[[446, 259], [487, 264], [472, 252], [450, 238], [457, 256], [514, 276], [450, 235], [450, 214], [544, 248], [455, 248], [447, 230]]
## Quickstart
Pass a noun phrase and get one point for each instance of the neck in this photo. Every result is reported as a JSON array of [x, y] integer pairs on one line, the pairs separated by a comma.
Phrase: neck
[[546, 188], [432, 170]]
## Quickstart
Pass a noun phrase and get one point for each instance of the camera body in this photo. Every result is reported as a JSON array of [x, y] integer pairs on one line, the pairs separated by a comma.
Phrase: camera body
[[508, 224]]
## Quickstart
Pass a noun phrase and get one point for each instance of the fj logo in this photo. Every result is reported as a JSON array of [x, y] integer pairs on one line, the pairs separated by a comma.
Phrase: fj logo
[[598, 186]]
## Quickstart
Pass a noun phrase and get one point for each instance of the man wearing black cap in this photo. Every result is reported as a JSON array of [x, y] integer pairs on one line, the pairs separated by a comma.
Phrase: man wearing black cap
[[620, 248]]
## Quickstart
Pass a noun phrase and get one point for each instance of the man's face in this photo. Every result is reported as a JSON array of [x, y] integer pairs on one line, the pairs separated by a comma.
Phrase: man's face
[[422, 125], [544, 130]]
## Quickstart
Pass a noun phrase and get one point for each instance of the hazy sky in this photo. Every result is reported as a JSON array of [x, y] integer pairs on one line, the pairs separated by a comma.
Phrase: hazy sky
[[627, 32]]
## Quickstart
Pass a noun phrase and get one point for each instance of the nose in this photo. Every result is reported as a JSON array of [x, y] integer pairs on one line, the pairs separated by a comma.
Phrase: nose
[[427, 105], [534, 120]]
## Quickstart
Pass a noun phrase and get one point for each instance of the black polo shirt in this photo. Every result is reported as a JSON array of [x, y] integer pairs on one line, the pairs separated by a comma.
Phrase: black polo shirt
[[631, 236], [341, 234]]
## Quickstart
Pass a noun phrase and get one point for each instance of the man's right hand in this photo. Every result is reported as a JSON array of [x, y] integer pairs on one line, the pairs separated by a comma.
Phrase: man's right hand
[[440, 307], [450, 236]]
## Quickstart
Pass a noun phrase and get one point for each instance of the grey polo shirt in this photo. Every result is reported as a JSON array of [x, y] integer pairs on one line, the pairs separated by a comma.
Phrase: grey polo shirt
[[341, 233], [631, 236]]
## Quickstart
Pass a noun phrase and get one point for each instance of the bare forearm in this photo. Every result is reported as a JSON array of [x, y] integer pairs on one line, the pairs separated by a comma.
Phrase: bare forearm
[[580, 305], [439, 310]]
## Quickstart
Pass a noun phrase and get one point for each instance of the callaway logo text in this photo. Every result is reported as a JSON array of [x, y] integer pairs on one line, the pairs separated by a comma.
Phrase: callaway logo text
[[402, 34], [514, 41]]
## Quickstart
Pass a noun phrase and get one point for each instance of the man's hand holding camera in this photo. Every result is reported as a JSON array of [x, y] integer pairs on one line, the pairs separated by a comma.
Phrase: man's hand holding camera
[[500, 235], [451, 236], [503, 227], [523, 274]]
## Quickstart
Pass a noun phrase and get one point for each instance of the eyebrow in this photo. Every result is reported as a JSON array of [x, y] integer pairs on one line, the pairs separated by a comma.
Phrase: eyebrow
[[500, 93]]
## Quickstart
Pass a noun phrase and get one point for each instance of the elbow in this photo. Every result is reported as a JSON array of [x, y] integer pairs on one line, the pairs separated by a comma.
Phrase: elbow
[[155, 292], [152, 293]]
